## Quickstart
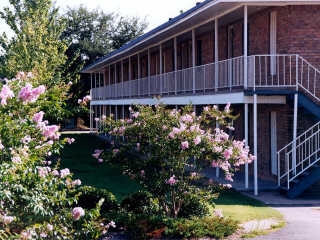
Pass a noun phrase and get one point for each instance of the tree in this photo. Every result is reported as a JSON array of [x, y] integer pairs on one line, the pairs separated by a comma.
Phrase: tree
[[91, 34], [37, 47]]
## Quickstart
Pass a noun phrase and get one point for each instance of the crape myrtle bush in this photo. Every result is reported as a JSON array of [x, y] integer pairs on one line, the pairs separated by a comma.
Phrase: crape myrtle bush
[[37, 199], [166, 149]]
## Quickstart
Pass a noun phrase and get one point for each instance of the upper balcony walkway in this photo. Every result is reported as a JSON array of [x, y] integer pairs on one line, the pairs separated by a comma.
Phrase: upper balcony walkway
[[264, 72]]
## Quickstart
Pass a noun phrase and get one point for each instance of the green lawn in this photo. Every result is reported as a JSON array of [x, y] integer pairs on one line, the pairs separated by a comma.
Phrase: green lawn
[[78, 158], [243, 208]]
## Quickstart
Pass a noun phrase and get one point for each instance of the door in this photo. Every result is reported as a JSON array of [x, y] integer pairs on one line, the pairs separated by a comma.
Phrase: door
[[273, 143]]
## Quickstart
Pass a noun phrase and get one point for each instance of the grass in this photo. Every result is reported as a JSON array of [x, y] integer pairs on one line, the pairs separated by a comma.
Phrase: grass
[[77, 157], [243, 209]]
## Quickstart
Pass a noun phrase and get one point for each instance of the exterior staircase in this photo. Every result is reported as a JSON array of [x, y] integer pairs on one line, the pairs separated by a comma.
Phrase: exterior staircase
[[299, 161]]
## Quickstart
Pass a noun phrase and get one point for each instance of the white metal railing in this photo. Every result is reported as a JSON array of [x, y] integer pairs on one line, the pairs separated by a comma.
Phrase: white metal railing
[[224, 75], [298, 156], [287, 71]]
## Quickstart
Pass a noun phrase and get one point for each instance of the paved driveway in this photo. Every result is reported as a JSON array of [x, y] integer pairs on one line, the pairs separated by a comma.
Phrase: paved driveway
[[303, 223]]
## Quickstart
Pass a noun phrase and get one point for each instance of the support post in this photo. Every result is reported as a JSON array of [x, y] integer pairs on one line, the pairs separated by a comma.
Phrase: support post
[[175, 65], [245, 47], [193, 60], [91, 125], [109, 80], [149, 73], [116, 80], [216, 54], [130, 77], [116, 112], [246, 137], [161, 66], [122, 78], [255, 142], [139, 74], [295, 124]]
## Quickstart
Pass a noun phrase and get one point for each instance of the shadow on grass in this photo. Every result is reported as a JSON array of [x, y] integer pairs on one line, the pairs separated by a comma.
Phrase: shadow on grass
[[242, 208], [77, 157]]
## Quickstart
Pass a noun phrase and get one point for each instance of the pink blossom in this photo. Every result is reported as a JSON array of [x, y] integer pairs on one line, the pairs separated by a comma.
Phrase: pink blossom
[[51, 132], [26, 139], [185, 145], [227, 108], [138, 147], [97, 119], [76, 182], [55, 173], [214, 164], [171, 181], [135, 115], [26, 235], [70, 140], [187, 118], [38, 117], [5, 94], [87, 98], [43, 171], [193, 174], [142, 173], [6, 219], [171, 135], [79, 101], [1, 146], [206, 109], [49, 227], [100, 160], [28, 94], [77, 213], [218, 213], [16, 159], [64, 172], [227, 153], [197, 140]]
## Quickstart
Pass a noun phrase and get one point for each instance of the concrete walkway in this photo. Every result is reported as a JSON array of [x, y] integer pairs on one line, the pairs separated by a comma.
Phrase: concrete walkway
[[302, 217]]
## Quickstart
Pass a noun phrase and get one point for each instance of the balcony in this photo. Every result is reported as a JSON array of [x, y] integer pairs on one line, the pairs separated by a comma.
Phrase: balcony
[[264, 72]]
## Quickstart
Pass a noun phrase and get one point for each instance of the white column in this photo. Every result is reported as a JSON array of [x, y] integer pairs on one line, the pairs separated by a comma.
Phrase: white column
[[122, 90], [91, 127], [295, 123], [193, 60], [116, 80], [255, 142], [245, 47], [122, 111], [149, 72], [139, 74], [109, 80], [160, 67], [130, 77], [175, 64], [100, 97], [216, 54], [246, 137]]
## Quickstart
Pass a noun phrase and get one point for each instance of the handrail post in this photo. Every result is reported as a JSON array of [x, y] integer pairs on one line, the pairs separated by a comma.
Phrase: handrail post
[[288, 172], [297, 72], [278, 168]]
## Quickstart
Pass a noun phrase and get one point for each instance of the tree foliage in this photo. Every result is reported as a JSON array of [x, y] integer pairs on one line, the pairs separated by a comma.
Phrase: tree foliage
[[91, 34], [37, 47]]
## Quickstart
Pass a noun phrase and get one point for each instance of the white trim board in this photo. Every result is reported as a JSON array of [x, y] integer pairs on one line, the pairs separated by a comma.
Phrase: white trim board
[[233, 98]]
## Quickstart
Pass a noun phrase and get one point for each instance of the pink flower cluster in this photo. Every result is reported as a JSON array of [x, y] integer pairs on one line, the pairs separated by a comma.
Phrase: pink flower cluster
[[44, 171], [85, 100], [97, 153], [28, 94], [48, 131], [23, 76], [172, 180], [6, 93], [77, 213], [70, 140], [6, 219]]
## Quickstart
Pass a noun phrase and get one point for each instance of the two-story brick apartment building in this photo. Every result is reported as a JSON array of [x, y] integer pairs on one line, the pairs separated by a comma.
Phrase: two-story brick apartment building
[[261, 56]]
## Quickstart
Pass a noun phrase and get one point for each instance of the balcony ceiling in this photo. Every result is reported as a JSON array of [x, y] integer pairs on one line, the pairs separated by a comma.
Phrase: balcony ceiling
[[208, 9]]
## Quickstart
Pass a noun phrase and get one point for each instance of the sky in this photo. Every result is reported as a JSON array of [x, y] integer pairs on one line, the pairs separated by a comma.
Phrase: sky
[[155, 12]]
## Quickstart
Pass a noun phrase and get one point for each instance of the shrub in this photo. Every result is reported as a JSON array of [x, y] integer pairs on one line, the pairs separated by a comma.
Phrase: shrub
[[200, 227], [194, 205], [90, 196], [141, 203], [166, 149]]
